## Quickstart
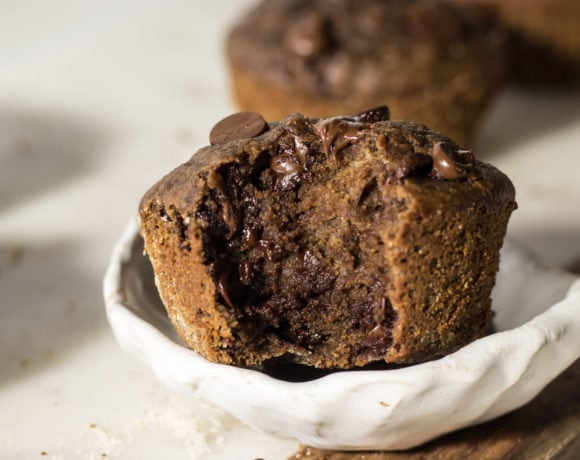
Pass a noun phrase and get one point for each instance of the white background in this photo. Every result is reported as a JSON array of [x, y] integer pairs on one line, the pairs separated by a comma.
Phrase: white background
[[97, 101]]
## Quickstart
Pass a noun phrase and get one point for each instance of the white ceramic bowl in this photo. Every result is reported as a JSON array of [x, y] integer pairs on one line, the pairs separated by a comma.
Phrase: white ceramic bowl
[[538, 324]]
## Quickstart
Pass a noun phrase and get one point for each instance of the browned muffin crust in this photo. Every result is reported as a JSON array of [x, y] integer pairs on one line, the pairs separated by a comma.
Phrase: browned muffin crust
[[431, 61], [331, 243], [544, 38]]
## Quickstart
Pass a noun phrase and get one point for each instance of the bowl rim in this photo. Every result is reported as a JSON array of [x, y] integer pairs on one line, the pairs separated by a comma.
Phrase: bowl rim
[[533, 368]]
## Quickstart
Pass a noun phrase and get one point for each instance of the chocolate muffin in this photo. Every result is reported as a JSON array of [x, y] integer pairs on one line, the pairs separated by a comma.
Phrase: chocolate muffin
[[432, 62], [544, 36], [328, 242]]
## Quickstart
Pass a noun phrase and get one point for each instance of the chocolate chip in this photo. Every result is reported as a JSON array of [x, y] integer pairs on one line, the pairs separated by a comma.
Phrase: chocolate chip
[[443, 162], [381, 113], [241, 125], [450, 163]]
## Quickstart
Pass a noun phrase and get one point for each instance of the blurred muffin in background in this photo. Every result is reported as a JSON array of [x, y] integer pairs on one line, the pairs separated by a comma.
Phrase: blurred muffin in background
[[544, 36], [433, 62]]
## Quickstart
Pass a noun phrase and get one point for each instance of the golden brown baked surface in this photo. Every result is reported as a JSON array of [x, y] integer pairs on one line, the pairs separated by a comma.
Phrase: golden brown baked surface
[[331, 243], [430, 61]]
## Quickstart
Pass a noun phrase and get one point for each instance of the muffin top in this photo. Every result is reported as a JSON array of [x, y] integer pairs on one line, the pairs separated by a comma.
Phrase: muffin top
[[334, 47], [287, 153]]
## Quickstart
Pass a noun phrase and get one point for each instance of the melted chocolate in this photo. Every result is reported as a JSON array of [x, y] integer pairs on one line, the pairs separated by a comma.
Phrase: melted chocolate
[[286, 164], [289, 164], [216, 182], [301, 149], [338, 133], [222, 286]]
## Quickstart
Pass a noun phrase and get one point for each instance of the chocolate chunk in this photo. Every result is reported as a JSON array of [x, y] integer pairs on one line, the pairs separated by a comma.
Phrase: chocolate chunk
[[241, 125], [370, 116]]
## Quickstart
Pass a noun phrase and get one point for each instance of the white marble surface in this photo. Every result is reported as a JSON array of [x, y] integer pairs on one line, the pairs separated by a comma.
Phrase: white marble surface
[[97, 100]]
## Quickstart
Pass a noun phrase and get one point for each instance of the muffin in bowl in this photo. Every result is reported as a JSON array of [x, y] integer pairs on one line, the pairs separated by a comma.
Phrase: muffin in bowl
[[333, 242]]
